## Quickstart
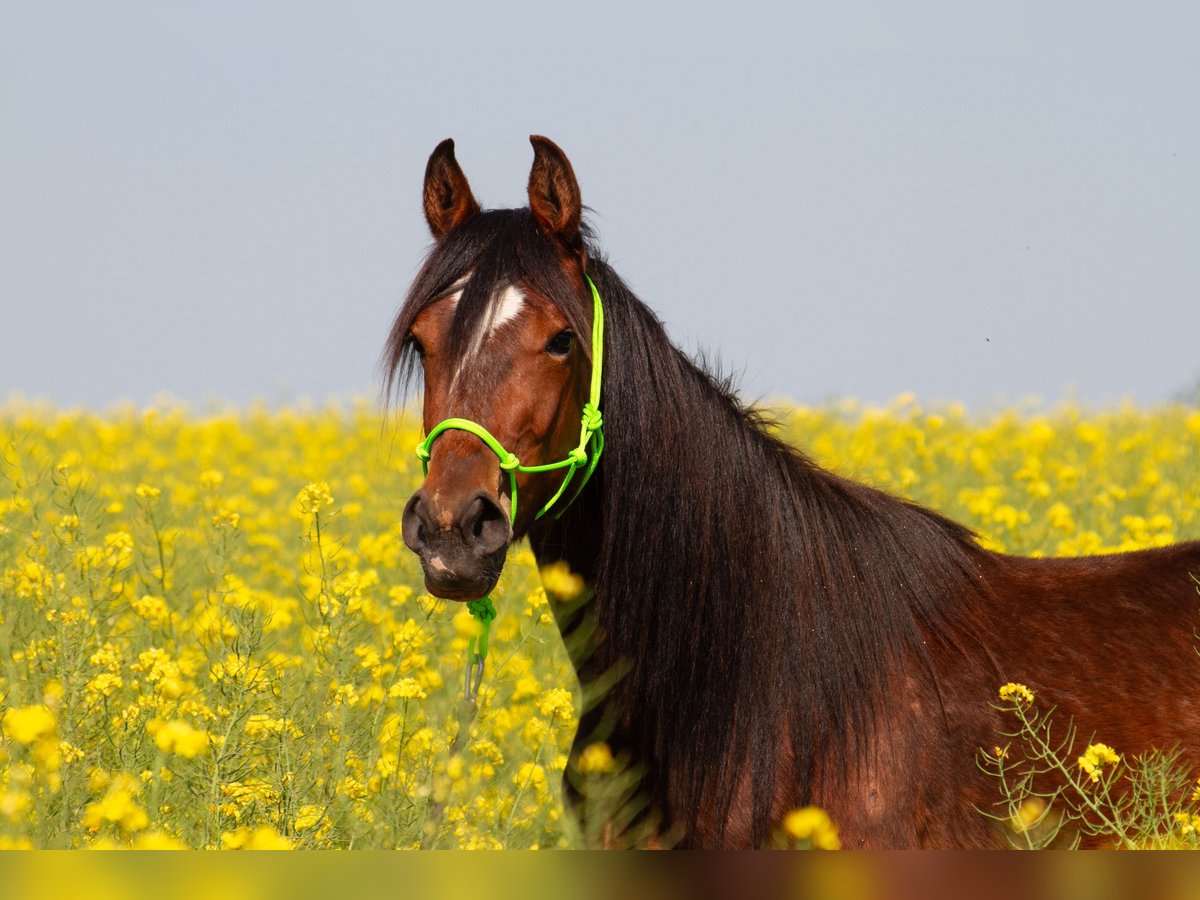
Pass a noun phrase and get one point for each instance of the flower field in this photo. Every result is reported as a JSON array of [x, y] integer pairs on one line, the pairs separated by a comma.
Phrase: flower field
[[212, 635]]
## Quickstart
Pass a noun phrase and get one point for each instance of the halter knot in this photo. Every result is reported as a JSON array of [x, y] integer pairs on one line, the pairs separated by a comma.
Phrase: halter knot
[[482, 609], [423, 451], [508, 463], [591, 417], [578, 456]]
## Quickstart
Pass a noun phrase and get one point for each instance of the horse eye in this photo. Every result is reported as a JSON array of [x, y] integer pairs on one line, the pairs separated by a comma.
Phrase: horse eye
[[417, 347], [560, 343]]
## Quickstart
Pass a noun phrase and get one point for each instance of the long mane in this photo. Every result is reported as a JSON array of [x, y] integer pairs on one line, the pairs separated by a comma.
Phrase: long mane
[[750, 596]]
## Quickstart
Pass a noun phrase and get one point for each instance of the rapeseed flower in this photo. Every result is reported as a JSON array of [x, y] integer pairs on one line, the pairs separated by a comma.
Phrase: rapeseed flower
[[596, 758], [1016, 693], [556, 703], [1095, 758], [1028, 814], [117, 807], [180, 738], [407, 689], [313, 497], [264, 837], [560, 581], [812, 826], [28, 724]]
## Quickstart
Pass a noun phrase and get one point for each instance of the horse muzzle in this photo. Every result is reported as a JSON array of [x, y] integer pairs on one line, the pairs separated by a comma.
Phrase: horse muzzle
[[461, 544]]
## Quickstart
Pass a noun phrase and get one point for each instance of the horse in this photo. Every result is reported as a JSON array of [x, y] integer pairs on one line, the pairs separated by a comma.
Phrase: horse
[[784, 636]]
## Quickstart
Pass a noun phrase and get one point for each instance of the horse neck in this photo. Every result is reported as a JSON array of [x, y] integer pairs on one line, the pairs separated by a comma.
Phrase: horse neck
[[691, 498], [722, 562]]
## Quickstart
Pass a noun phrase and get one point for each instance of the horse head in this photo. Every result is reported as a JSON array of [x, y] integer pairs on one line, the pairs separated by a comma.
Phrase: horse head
[[497, 324]]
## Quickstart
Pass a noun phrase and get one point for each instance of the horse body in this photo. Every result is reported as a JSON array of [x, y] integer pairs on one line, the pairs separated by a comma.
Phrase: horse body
[[1091, 636], [1107, 642], [782, 636]]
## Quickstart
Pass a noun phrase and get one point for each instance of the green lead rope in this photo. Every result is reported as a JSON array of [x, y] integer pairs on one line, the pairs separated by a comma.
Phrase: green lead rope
[[483, 611]]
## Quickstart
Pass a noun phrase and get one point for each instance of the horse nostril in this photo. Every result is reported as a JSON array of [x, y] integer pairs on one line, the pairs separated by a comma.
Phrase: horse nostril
[[487, 525], [414, 521]]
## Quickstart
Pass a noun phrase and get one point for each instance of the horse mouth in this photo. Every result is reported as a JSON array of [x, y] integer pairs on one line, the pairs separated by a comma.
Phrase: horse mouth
[[462, 582]]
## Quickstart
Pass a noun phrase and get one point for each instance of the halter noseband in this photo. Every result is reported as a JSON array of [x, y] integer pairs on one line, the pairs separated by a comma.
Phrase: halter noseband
[[590, 432]]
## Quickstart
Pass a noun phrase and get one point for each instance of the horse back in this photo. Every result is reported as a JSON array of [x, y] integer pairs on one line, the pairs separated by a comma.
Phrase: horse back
[[1108, 642]]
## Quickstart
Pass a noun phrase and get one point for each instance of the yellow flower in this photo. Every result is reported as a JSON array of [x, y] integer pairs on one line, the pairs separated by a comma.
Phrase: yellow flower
[[1028, 814], [153, 609], [103, 685], [27, 724], [261, 725], [596, 758], [146, 492], [530, 773], [248, 792], [119, 546], [559, 580], [308, 817], [14, 805], [556, 703], [1018, 693], [352, 788], [157, 840], [211, 478], [182, 739], [262, 838], [1095, 758], [31, 581], [813, 825], [313, 498], [406, 689], [1186, 823], [117, 807]]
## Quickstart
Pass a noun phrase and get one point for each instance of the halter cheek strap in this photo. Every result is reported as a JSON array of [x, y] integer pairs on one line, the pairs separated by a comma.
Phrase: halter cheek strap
[[591, 438]]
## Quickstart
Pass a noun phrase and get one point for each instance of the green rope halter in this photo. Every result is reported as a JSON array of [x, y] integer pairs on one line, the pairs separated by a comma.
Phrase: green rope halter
[[590, 432], [590, 435]]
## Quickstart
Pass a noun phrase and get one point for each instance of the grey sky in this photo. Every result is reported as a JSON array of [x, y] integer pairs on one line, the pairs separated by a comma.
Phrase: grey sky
[[970, 201]]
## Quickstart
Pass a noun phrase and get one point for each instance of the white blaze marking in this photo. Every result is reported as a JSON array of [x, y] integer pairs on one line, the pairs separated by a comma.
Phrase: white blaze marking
[[510, 302], [503, 307], [456, 290]]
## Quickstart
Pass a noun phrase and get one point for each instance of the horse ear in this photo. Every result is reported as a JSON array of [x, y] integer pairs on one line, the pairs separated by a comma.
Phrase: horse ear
[[553, 191], [448, 198]]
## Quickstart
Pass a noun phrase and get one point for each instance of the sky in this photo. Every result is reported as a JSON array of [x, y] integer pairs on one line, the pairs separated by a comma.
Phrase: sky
[[985, 203]]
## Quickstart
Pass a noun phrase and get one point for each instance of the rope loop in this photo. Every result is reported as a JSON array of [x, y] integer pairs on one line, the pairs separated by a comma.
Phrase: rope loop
[[423, 451]]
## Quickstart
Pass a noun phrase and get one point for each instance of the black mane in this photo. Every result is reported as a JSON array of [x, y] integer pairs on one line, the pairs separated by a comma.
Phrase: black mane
[[746, 592]]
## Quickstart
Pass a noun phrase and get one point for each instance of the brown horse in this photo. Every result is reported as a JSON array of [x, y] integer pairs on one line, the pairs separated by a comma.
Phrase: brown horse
[[785, 636]]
